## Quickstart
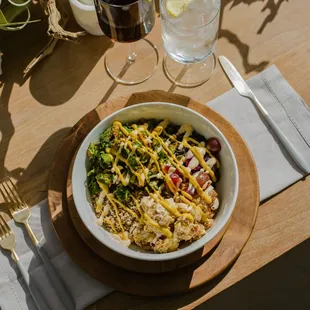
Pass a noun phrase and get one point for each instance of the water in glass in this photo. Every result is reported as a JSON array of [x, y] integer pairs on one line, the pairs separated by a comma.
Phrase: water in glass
[[192, 36]]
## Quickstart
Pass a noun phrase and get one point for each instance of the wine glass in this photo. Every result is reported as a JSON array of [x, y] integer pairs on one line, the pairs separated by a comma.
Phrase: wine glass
[[189, 34], [126, 23]]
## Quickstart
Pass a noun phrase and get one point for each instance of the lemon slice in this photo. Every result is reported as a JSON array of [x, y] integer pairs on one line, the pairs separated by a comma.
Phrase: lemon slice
[[177, 7]]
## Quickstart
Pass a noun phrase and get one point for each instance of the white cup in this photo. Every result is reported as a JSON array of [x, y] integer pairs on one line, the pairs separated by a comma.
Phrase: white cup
[[85, 15]]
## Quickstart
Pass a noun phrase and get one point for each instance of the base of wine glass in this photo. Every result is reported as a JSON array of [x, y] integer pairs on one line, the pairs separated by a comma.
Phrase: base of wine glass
[[131, 63], [189, 75]]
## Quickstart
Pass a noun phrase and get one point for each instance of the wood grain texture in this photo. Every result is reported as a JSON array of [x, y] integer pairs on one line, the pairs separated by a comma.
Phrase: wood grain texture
[[35, 114], [236, 236]]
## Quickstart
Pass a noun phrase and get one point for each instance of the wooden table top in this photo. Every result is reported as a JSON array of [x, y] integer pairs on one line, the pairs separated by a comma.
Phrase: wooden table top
[[36, 112]]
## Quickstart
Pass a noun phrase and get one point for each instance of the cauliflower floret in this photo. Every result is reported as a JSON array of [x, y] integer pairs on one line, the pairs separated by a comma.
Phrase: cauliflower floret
[[143, 238], [166, 245], [196, 213], [183, 231], [183, 207], [156, 211]]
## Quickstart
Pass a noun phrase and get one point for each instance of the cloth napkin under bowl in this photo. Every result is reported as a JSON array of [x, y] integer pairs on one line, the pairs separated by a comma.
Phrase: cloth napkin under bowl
[[275, 168]]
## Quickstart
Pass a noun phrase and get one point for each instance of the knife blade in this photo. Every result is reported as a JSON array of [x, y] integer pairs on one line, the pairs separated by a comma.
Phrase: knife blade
[[245, 91]]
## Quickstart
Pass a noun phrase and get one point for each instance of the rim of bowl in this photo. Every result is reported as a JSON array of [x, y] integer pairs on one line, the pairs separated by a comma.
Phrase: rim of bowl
[[149, 256]]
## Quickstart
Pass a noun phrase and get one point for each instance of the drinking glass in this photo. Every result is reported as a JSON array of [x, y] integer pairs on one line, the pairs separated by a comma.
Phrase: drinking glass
[[132, 59], [189, 40]]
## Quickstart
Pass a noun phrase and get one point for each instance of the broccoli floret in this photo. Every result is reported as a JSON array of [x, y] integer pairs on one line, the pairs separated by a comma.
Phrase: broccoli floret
[[107, 158], [128, 128], [106, 137], [105, 178], [125, 152], [144, 157], [155, 143], [132, 160], [92, 151], [133, 180], [137, 144], [93, 187], [91, 172], [173, 146], [122, 193], [162, 157]]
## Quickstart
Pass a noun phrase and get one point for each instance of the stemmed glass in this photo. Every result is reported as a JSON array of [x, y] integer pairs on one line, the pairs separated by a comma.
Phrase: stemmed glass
[[127, 22], [189, 34]]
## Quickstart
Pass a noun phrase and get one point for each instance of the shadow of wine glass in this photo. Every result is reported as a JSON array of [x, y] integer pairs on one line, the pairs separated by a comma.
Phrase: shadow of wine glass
[[58, 78]]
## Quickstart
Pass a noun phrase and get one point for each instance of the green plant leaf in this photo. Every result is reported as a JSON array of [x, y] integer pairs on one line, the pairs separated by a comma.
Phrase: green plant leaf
[[18, 23], [2, 18], [10, 12]]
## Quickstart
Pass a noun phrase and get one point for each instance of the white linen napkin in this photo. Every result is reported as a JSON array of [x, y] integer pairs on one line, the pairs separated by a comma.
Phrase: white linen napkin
[[14, 294], [275, 168]]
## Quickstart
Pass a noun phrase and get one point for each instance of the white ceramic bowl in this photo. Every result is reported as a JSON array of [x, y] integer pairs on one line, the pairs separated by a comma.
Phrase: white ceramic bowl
[[227, 187]]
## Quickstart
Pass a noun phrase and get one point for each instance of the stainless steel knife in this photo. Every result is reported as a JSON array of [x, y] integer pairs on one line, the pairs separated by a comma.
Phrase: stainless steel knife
[[244, 90]]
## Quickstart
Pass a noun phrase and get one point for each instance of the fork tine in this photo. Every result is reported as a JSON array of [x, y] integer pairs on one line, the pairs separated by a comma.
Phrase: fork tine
[[2, 193], [2, 231], [15, 192], [5, 227], [9, 193], [6, 197], [12, 210]]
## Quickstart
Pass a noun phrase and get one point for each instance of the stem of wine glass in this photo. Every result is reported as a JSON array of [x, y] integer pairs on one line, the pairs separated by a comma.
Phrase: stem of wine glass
[[131, 53]]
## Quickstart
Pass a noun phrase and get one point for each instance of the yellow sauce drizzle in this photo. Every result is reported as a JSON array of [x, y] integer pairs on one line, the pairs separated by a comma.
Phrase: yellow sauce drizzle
[[200, 159], [164, 230], [184, 197], [117, 216], [192, 180], [107, 221]]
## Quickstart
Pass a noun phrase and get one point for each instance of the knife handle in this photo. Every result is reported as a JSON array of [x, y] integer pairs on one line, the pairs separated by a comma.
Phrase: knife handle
[[299, 160]]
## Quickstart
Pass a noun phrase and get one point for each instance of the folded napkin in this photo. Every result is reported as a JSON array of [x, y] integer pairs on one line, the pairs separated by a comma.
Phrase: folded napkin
[[275, 168], [14, 294]]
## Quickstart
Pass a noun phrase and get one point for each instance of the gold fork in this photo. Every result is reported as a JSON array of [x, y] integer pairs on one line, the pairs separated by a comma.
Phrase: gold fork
[[7, 242], [20, 212]]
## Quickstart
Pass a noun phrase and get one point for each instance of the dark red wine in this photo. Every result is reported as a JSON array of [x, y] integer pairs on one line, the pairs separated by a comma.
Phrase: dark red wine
[[125, 20]]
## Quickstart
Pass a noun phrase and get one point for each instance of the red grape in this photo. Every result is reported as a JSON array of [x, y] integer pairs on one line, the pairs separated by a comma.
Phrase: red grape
[[202, 178], [175, 179], [166, 168], [178, 173], [213, 145], [191, 189]]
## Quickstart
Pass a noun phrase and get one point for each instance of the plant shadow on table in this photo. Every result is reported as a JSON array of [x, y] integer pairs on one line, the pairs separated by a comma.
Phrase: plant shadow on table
[[272, 6], [31, 182]]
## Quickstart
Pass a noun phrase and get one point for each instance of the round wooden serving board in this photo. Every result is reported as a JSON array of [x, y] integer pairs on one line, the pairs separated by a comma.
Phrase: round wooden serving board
[[88, 254]]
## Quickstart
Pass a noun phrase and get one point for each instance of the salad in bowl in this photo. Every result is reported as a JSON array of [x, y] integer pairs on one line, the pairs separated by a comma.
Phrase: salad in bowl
[[155, 181], [152, 183]]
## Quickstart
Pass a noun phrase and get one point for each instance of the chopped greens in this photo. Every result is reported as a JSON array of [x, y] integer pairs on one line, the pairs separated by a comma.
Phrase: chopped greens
[[130, 158], [105, 178], [122, 193]]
